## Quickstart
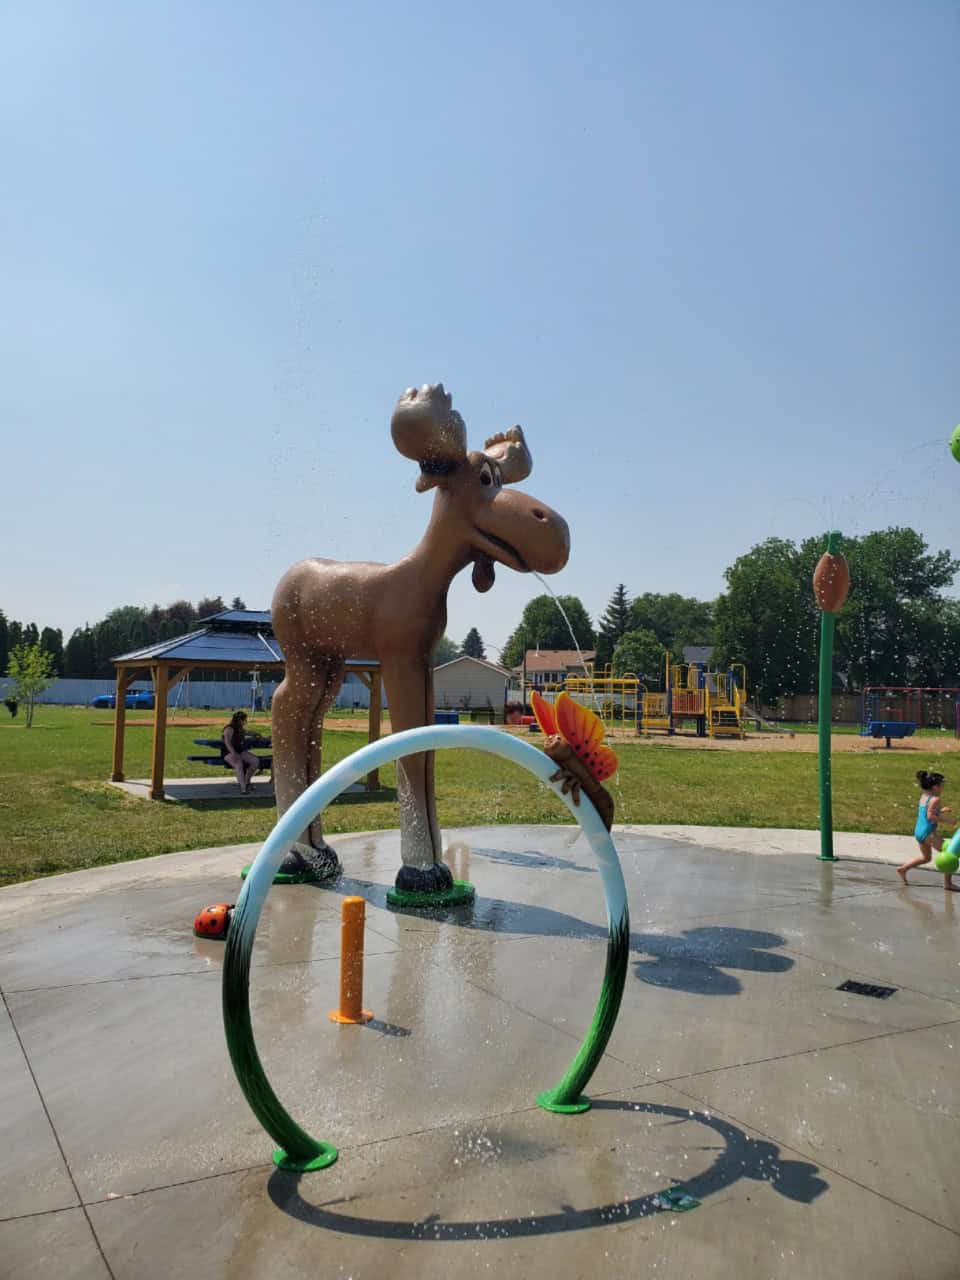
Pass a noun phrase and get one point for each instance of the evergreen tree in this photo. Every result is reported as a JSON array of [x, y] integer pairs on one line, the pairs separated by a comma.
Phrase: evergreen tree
[[614, 623], [4, 641], [472, 646], [237, 603], [31, 635], [51, 641], [14, 634], [79, 659]]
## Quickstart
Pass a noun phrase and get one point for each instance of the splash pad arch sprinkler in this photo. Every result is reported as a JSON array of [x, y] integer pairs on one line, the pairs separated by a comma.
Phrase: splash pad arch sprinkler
[[298, 1150]]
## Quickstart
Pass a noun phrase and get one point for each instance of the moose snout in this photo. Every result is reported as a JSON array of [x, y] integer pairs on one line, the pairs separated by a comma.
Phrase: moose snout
[[539, 533]]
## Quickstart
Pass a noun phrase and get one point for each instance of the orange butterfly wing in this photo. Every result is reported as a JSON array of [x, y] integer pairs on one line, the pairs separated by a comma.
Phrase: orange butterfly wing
[[546, 717], [583, 729]]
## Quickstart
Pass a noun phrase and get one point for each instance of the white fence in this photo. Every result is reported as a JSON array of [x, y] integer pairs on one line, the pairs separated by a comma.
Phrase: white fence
[[197, 694]]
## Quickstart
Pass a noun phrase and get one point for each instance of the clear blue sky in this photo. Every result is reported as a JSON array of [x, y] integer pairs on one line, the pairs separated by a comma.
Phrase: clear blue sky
[[706, 254]]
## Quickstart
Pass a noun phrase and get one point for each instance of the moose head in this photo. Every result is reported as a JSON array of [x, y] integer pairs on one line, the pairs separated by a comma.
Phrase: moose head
[[471, 503]]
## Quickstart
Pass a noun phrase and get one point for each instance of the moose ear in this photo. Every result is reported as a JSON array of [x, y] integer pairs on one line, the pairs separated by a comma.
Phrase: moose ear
[[509, 450], [426, 428]]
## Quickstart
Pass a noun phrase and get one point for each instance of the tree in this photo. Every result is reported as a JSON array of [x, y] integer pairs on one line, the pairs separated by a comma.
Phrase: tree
[[543, 626], [14, 634], [614, 623], [31, 635], [4, 641], [237, 603], [51, 641], [31, 671], [182, 613], [674, 619], [210, 605], [639, 653], [895, 626], [472, 646], [80, 659], [767, 619], [108, 641], [445, 651]]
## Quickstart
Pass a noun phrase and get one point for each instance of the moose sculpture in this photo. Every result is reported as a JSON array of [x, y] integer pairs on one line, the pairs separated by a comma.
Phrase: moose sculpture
[[325, 612]]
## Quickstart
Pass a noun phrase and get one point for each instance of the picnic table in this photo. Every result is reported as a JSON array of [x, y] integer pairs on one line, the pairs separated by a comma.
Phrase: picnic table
[[253, 742]]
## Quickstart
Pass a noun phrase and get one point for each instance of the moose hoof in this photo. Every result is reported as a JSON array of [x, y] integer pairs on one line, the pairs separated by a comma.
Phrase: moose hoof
[[429, 887], [305, 863]]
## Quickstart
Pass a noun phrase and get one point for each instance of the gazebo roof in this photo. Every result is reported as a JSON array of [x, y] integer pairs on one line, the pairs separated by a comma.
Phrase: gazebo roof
[[234, 638]]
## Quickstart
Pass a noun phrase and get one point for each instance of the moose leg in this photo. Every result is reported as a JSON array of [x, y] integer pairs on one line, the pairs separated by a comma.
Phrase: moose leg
[[306, 691], [410, 697]]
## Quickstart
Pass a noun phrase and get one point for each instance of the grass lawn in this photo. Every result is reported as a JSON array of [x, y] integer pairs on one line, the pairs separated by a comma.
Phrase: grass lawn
[[58, 814]]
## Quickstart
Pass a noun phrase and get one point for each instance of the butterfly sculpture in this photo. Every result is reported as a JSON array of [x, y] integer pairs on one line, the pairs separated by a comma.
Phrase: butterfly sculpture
[[575, 742]]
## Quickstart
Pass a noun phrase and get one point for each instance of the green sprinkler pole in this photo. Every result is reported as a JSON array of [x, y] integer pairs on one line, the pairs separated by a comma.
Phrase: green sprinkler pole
[[825, 707]]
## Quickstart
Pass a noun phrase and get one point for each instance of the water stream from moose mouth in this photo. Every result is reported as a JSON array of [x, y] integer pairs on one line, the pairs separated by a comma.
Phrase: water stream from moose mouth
[[563, 614], [588, 672]]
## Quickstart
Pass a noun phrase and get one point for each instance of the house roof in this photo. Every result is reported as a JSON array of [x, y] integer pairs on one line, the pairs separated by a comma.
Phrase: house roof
[[234, 638], [557, 659], [481, 662], [698, 652]]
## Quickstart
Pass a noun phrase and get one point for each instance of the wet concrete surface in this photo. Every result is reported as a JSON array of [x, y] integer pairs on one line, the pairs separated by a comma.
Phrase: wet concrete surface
[[820, 1130]]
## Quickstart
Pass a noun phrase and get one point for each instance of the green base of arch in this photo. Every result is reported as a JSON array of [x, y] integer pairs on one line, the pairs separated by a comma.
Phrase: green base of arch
[[461, 893], [298, 877], [547, 1102], [325, 1157]]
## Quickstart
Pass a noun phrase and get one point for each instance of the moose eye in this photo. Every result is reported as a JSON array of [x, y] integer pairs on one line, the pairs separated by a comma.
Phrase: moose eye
[[486, 474]]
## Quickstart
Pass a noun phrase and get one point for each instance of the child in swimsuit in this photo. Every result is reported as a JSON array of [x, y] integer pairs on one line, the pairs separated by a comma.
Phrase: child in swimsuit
[[929, 812]]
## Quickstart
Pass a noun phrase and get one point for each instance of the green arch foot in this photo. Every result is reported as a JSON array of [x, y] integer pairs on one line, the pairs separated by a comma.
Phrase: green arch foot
[[325, 1157], [461, 893], [297, 877], [548, 1101]]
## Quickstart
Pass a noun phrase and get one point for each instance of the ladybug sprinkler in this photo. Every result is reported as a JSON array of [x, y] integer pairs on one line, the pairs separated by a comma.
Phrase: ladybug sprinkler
[[213, 922]]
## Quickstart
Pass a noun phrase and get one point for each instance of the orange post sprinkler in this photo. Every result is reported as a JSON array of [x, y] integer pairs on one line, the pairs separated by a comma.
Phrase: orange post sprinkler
[[351, 964]]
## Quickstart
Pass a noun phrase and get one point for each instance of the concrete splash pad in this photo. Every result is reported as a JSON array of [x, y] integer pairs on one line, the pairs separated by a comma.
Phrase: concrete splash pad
[[818, 1129]]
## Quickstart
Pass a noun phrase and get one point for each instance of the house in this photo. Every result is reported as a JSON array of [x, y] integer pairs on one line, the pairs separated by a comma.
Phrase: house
[[698, 653], [552, 666], [470, 684]]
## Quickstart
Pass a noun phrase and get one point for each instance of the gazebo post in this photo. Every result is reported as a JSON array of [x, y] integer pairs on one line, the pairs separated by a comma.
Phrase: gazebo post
[[161, 675], [124, 680], [373, 724]]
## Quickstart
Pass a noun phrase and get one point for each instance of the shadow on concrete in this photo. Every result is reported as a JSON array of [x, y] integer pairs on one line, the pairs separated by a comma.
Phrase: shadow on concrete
[[251, 801], [696, 961], [741, 1157], [536, 860]]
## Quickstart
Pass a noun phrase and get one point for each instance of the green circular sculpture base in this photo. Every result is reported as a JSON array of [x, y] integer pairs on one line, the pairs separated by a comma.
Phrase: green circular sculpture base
[[325, 1157], [297, 877], [461, 893], [547, 1101]]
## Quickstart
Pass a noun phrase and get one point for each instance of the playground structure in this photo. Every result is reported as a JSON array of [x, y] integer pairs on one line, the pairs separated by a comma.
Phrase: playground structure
[[899, 711], [713, 700]]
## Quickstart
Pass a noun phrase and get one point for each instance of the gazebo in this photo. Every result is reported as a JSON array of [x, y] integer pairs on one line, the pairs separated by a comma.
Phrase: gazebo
[[234, 640]]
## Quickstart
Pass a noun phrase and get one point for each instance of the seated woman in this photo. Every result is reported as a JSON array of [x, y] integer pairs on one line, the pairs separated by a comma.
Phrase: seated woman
[[233, 748]]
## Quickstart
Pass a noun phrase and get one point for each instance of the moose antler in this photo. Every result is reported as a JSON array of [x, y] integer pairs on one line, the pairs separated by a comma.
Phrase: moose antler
[[426, 427], [509, 450]]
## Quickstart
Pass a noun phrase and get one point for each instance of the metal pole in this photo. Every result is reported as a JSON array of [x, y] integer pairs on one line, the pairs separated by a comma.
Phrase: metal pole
[[825, 717]]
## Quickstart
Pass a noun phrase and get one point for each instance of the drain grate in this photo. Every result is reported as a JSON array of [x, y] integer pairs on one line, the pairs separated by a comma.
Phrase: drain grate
[[866, 989]]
